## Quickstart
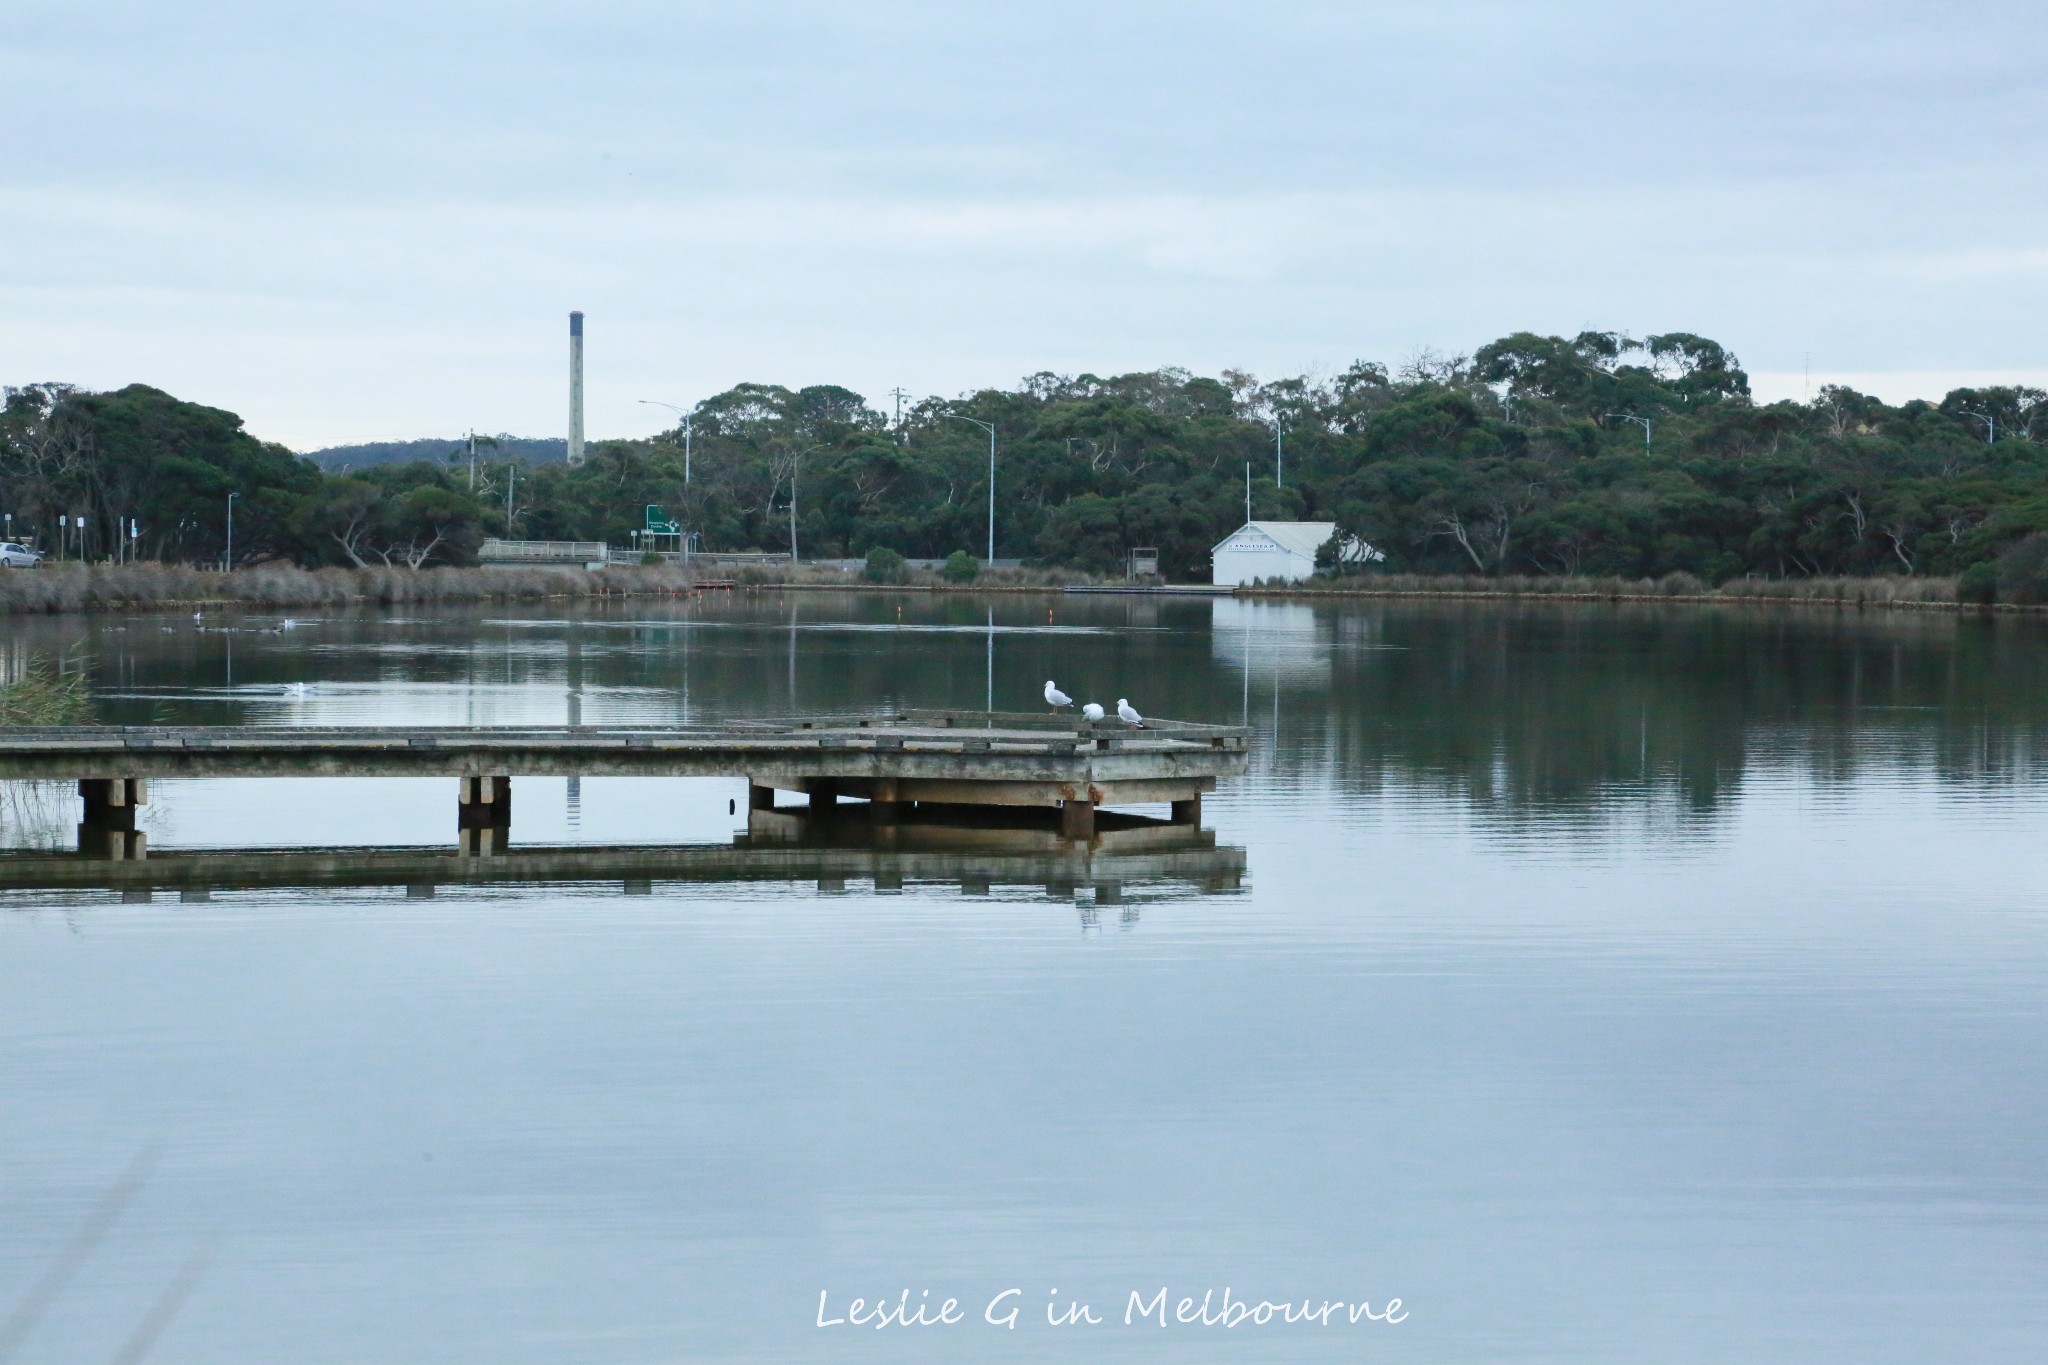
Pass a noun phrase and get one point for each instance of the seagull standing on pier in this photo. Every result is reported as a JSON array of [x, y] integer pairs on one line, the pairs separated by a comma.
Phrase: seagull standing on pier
[[1129, 713], [1092, 711], [1054, 697]]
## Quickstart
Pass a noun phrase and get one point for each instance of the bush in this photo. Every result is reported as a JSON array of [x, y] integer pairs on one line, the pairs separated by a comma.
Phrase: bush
[[884, 565], [2023, 570], [961, 567]]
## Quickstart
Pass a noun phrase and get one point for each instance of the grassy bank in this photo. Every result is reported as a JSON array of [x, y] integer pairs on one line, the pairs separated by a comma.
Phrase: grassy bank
[[142, 587], [145, 587]]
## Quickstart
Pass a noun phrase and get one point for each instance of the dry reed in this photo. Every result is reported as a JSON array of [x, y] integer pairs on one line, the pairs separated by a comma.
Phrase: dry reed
[[99, 587], [43, 695], [141, 587], [1862, 592]]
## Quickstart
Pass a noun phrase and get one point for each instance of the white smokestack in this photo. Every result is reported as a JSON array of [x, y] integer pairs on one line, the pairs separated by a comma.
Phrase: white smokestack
[[575, 388]]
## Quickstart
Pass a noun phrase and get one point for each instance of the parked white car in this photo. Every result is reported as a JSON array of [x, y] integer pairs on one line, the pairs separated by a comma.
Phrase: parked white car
[[14, 556]]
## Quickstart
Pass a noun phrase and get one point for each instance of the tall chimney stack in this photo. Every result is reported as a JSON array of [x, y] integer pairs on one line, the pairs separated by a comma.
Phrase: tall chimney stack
[[575, 388]]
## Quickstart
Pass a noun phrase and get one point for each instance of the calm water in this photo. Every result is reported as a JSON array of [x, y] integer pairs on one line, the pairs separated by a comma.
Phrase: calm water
[[1608, 985]]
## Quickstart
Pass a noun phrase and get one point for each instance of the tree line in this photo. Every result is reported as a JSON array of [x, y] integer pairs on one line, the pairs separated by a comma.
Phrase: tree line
[[1594, 454]]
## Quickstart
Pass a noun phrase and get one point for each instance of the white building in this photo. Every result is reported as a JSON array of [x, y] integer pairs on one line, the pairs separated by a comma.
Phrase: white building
[[1278, 551]]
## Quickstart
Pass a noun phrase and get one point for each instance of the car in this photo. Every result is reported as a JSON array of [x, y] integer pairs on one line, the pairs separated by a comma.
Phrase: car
[[14, 556]]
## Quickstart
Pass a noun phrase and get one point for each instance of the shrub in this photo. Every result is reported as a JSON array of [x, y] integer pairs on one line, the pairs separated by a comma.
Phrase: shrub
[[884, 565], [961, 567]]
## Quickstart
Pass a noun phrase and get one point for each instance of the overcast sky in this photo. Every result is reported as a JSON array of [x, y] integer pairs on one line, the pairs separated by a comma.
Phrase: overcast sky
[[369, 220]]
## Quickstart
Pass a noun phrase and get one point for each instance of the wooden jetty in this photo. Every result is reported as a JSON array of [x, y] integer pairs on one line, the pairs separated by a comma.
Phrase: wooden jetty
[[895, 762]]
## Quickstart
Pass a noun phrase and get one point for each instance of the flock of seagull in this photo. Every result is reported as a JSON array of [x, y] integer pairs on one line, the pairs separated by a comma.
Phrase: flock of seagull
[[1125, 712]]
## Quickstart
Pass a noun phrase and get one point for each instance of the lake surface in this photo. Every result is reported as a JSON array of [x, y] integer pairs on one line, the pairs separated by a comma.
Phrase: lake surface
[[1605, 983]]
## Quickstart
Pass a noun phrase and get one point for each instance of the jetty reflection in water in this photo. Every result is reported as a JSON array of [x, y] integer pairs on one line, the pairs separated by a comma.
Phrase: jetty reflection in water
[[978, 850]]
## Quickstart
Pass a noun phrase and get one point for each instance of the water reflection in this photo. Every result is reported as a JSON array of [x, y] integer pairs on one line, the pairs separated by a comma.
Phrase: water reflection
[[978, 850], [1525, 713], [1613, 984]]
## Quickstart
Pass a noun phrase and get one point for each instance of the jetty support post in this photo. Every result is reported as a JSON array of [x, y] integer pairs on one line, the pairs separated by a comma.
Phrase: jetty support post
[[110, 802], [1077, 819], [1188, 812], [824, 795], [759, 797], [483, 816], [885, 807], [108, 829]]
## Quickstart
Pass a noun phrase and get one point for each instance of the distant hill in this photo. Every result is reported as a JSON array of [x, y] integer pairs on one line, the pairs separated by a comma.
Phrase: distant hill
[[525, 449]]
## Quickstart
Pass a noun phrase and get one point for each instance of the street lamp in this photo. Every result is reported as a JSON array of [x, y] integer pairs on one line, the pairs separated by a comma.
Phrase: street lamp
[[991, 426], [1990, 424], [1279, 456], [684, 414], [1642, 422], [231, 532]]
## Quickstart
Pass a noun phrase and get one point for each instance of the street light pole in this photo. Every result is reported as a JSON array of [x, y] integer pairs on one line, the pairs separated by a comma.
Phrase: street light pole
[[1279, 457], [991, 426], [231, 531], [1990, 425], [1642, 422], [684, 414]]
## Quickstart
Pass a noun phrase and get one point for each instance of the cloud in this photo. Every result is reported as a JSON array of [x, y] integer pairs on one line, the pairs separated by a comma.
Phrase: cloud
[[355, 220]]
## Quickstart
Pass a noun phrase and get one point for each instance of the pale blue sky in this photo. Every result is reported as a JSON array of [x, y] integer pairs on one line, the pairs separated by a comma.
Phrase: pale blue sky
[[370, 220]]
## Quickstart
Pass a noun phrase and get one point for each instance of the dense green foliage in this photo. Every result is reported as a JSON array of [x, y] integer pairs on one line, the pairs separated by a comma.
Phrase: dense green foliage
[[501, 447], [1596, 454]]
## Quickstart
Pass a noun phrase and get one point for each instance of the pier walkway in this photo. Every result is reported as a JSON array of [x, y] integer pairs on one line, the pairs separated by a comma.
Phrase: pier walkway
[[892, 761]]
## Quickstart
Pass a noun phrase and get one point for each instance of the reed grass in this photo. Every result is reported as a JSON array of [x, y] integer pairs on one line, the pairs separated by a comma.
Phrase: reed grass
[[1859, 592], [142, 587], [99, 587], [139, 587], [43, 695]]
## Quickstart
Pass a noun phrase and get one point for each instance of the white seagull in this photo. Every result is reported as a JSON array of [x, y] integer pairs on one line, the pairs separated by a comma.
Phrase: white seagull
[[1092, 711], [1055, 697], [1129, 713]]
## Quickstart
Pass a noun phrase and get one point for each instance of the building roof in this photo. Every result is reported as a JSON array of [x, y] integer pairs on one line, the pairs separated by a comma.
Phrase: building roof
[[1299, 537]]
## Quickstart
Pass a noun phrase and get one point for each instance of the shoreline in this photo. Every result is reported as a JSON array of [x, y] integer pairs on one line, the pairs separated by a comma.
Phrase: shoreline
[[64, 590]]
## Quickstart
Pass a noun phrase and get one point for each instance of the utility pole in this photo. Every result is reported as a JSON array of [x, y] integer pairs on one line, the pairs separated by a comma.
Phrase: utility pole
[[1279, 457], [1247, 492], [899, 396], [511, 479], [472, 459], [231, 531]]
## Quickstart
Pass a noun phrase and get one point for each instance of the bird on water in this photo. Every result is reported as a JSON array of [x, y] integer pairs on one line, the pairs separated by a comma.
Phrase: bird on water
[[1055, 697], [1092, 711], [1129, 713]]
